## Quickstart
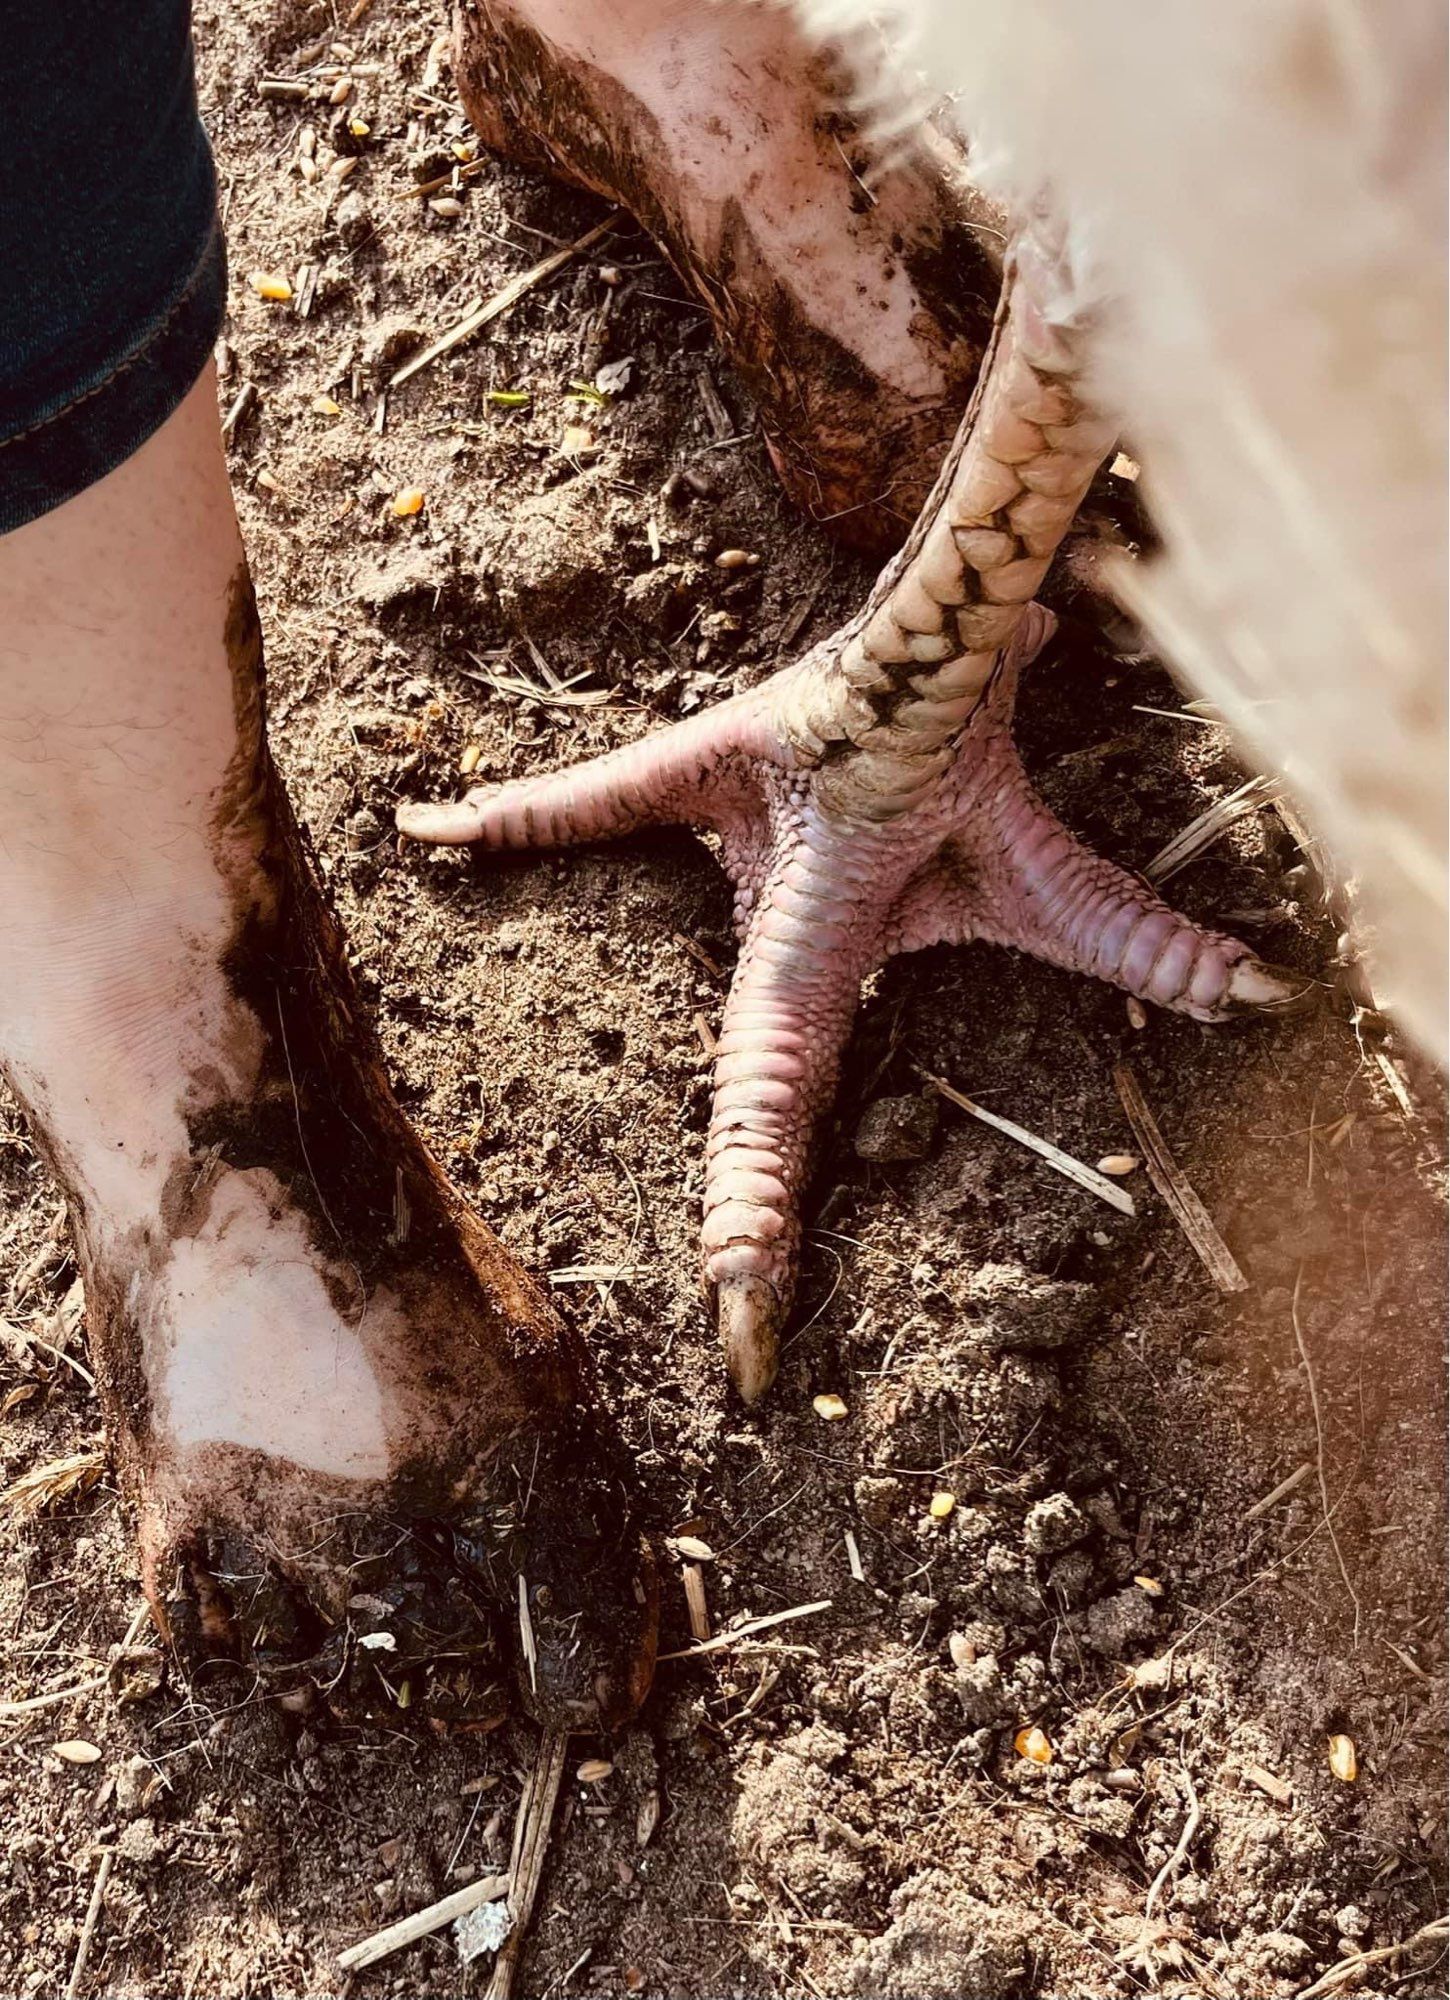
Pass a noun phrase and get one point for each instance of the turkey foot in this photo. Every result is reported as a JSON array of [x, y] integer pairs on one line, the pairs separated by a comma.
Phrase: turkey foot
[[869, 800], [853, 294], [353, 1434]]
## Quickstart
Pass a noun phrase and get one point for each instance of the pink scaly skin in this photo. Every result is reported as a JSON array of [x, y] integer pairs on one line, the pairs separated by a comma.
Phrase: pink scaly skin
[[869, 800]]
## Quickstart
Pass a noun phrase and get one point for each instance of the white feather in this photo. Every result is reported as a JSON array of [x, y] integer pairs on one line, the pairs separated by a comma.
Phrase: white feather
[[1255, 199]]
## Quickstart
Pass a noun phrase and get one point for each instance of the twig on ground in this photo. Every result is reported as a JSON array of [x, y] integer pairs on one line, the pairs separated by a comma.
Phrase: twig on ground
[[696, 1602], [1319, 1447], [93, 1917], [724, 1640], [1281, 1492], [1185, 1840], [1211, 826], [531, 1845], [423, 1923], [506, 296], [1174, 1186], [1339, 1975], [1063, 1163]]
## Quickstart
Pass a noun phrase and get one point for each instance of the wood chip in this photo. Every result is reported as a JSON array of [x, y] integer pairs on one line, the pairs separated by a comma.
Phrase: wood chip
[[1280, 1492], [531, 1844], [723, 1640], [696, 1602], [1211, 826], [1164, 1172], [1266, 1782], [1062, 1163], [505, 297], [423, 1923]]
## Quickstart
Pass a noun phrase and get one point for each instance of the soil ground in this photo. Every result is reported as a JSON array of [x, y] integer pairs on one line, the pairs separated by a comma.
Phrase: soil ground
[[840, 1806]]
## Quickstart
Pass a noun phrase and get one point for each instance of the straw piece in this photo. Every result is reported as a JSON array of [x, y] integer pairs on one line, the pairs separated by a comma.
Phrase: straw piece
[[506, 296], [1062, 1163], [1166, 1175]]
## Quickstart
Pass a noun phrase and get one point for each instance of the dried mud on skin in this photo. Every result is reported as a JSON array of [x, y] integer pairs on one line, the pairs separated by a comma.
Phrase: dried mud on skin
[[840, 1808]]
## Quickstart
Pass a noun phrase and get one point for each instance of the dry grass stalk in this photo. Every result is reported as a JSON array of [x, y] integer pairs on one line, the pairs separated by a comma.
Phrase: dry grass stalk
[[724, 1640], [1180, 1852], [1281, 1492], [1210, 826], [505, 297], [1174, 1186], [1353, 1968], [1319, 1447], [526, 1632], [556, 693], [531, 1845], [46, 1485], [422, 1923], [88, 1930], [1062, 1163]]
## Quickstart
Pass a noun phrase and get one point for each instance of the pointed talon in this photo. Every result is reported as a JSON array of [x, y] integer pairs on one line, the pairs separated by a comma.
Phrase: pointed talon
[[1258, 987], [749, 1317]]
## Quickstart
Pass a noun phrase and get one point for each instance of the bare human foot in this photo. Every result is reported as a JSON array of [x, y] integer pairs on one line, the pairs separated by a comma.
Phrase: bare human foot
[[869, 800], [854, 294], [351, 1430]]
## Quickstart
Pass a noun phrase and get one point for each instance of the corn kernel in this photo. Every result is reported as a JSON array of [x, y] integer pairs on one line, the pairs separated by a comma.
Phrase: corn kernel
[[271, 285], [408, 501], [831, 1408], [942, 1505], [1343, 1761], [1033, 1745]]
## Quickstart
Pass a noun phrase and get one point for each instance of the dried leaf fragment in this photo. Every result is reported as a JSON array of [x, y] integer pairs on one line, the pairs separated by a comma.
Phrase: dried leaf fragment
[[647, 1818], [1033, 1744]]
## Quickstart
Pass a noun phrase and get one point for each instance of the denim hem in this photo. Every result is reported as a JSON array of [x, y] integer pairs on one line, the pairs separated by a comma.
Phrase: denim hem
[[102, 423]]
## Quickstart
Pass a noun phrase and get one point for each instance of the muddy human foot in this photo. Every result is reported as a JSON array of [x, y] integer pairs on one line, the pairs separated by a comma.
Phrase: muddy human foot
[[353, 1433], [869, 800], [854, 293]]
